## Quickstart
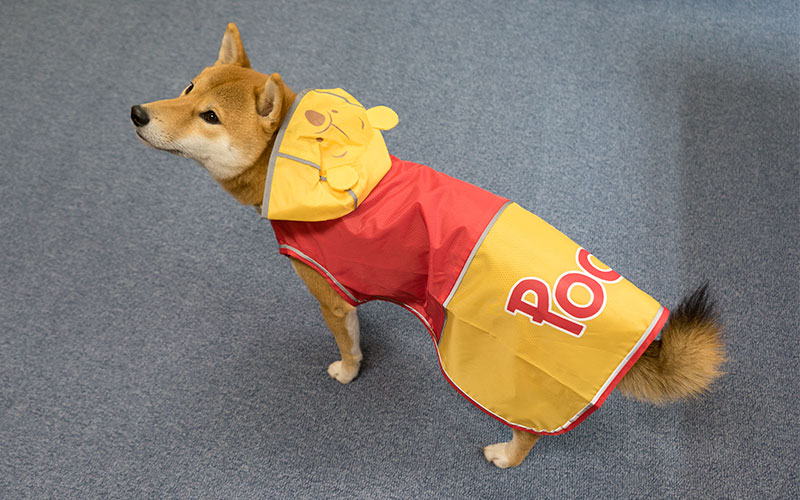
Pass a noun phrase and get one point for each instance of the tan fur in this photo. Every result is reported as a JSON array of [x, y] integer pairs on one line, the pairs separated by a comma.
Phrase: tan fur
[[511, 453], [232, 50], [335, 311], [251, 107], [683, 364]]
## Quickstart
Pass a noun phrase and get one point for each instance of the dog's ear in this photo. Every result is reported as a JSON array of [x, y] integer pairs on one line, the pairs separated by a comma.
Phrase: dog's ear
[[269, 102], [232, 50]]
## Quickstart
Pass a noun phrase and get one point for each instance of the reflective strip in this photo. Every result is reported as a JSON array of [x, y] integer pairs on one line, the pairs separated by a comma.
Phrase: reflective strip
[[346, 291], [591, 406], [319, 266], [658, 318], [276, 147], [602, 392], [299, 160], [472, 255], [355, 198]]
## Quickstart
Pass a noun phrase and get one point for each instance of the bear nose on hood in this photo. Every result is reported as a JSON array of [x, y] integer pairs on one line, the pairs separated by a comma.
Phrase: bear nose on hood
[[315, 118]]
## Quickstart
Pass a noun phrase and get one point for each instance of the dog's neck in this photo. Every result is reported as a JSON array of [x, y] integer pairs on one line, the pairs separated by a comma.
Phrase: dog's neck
[[248, 186]]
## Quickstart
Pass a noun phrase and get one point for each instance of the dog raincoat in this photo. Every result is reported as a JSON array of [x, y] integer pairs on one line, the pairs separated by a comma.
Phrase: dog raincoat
[[528, 326]]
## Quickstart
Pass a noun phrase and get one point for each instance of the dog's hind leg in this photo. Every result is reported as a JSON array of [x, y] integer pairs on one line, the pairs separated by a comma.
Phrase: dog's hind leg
[[511, 453], [340, 317]]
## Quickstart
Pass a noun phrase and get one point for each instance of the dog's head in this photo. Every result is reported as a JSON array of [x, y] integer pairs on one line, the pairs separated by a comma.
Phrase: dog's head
[[224, 119]]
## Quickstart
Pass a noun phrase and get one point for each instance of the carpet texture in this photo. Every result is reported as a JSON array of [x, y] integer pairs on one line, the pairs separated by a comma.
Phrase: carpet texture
[[153, 344]]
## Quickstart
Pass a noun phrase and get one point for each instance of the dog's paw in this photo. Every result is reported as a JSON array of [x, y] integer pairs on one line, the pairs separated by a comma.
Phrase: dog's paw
[[498, 454], [343, 373]]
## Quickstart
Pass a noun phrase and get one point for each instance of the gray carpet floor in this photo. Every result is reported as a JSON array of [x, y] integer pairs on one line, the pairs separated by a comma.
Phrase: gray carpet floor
[[153, 344]]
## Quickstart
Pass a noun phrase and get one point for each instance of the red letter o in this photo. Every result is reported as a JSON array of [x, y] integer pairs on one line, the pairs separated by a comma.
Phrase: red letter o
[[561, 295], [608, 275]]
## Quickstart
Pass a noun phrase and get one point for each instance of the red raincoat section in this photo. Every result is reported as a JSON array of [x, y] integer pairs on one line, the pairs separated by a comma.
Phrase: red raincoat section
[[406, 243]]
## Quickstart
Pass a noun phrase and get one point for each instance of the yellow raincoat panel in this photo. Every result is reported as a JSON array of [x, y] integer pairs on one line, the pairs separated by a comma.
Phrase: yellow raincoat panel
[[538, 331]]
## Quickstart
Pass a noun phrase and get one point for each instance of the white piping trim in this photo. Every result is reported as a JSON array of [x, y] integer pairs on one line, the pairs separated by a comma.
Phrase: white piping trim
[[299, 160], [631, 353], [317, 264], [591, 404], [345, 290], [613, 375], [473, 252], [355, 198], [416, 313], [463, 392], [276, 150]]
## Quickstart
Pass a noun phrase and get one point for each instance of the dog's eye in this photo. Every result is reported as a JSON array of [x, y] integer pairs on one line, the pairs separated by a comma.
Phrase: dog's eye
[[188, 89], [210, 117]]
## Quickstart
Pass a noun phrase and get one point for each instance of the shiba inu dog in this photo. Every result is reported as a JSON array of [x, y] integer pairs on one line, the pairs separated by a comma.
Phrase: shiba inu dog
[[359, 224]]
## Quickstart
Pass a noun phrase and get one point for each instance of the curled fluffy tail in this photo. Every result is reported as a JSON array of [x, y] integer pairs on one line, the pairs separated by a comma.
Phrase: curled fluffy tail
[[686, 359]]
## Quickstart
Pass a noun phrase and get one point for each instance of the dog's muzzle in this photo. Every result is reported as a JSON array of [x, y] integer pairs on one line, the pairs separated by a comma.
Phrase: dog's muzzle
[[139, 116]]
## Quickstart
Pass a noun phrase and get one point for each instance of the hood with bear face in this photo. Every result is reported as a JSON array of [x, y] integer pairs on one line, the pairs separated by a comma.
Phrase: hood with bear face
[[328, 156]]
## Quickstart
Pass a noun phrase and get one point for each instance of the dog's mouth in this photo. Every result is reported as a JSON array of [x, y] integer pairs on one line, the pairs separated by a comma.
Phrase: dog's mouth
[[150, 144], [175, 152]]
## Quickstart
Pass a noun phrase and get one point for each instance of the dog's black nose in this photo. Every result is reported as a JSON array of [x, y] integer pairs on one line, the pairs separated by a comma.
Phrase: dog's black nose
[[139, 116]]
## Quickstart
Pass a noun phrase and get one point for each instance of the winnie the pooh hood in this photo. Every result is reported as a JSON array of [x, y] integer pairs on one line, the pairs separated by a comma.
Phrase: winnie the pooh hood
[[328, 156]]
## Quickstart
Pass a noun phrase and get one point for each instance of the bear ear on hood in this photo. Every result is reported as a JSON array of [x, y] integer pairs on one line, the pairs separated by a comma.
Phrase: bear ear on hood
[[232, 50], [382, 118]]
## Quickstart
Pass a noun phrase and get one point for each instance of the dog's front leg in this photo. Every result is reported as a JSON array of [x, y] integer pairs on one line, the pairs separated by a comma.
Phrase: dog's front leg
[[344, 325], [513, 452], [340, 317]]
